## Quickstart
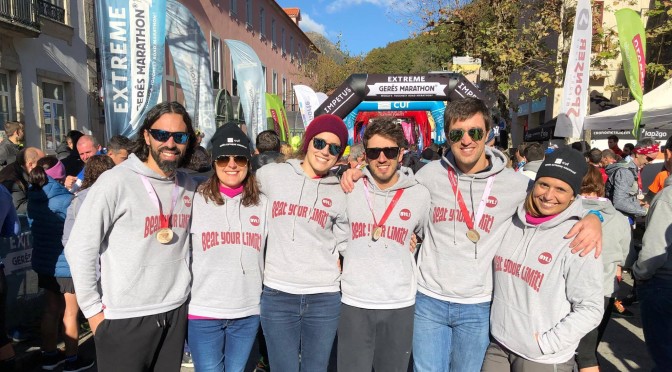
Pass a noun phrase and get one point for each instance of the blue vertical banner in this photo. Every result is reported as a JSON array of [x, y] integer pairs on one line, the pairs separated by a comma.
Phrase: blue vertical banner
[[251, 87], [191, 58], [131, 41]]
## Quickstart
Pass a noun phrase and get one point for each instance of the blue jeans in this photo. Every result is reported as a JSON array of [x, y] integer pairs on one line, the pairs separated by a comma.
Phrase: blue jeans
[[655, 303], [448, 336], [302, 325], [222, 344]]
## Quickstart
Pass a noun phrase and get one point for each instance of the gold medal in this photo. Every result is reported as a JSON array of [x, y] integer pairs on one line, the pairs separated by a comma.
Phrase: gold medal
[[473, 235], [377, 233], [164, 236]]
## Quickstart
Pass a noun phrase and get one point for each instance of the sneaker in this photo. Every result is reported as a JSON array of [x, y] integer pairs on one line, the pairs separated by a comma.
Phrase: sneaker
[[186, 360], [262, 366], [619, 309], [51, 362], [79, 364]]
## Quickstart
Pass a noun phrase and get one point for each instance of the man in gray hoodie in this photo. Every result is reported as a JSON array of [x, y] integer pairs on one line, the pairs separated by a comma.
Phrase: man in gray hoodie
[[136, 221], [379, 279]]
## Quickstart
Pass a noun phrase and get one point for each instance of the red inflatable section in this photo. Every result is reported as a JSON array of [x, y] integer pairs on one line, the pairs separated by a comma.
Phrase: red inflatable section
[[415, 123]]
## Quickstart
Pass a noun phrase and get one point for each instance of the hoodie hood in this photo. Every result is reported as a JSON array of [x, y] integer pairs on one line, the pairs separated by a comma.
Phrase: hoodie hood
[[573, 211], [496, 158], [611, 168], [668, 181], [532, 166], [329, 179]]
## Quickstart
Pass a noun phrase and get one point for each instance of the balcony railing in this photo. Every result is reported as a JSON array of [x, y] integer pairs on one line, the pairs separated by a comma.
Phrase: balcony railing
[[20, 12], [51, 11]]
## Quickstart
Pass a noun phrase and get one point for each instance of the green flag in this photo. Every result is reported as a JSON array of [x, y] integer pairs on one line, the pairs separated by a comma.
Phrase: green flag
[[276, 116], [632, 38]]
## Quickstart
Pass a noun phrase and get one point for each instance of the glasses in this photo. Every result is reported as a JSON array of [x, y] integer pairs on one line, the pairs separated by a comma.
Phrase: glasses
[[224, 160], [455, 135], [163, 135], [374, 152], [319, 144], [650, 159]]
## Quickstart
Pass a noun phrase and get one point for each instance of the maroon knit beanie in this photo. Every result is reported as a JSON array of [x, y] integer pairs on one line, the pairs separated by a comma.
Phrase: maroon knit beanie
[[326, 123]]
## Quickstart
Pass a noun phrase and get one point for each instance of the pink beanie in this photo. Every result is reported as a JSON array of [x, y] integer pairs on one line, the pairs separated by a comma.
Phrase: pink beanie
[[326, 123], [56, 172]]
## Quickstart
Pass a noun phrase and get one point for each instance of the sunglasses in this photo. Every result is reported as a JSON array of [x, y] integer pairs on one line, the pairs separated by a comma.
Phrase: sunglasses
[[476, 134], [163, 135], [319, 144], [374, 152], [650, 158], [224, 160]]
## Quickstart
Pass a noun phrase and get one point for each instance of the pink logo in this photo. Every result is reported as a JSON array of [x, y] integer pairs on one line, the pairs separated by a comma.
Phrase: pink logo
[[492, 202], [545, 258], [405, 214], [187, 201], [326, 202], [254, 220]]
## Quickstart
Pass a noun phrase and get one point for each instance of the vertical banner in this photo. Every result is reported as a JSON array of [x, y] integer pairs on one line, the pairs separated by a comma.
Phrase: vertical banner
[[276, 116], [251, 87], [131, 42], [574, 105], [308, 102], [191, 57], [632, 39]]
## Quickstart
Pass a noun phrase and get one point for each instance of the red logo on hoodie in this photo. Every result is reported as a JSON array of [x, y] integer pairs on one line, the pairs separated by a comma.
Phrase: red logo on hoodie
[[254, 220], [187, 201], [405, 214], [326, 202], [545, 258], [492, 202]]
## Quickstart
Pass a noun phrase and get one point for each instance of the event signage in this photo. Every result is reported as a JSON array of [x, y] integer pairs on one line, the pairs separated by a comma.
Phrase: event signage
[[657, 134], [132, 39], [574, 104], [632, 39]]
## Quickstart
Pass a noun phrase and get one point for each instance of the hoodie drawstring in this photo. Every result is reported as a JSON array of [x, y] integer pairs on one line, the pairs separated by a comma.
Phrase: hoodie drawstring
[[303, 184]]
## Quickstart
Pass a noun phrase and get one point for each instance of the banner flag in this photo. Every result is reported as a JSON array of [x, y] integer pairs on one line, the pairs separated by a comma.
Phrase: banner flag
[[131, 42], [251, 87], [276, 116], [632, 39], [308, 102], [191, 58], [574, 105], [321, 97]]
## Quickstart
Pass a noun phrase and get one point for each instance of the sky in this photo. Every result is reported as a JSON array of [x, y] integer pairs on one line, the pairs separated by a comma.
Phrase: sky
[[362, 25]]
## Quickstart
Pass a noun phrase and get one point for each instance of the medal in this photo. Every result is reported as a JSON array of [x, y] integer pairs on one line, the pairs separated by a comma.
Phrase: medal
[[377, 233], [473, 235], [164, 236]]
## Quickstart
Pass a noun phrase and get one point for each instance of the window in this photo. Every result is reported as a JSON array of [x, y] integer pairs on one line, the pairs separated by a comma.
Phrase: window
[[263, 72], [273, 39], [293, 107], [53, 114], [52, 9], [275, 82], [233, 7], [4, 99], [262, 23], [291, 47], [234, 81], [215, 61], [284, 91], [248, 12], [284, 49]]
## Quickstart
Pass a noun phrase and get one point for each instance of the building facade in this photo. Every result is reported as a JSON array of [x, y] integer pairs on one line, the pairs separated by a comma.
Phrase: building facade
[[48, 69]]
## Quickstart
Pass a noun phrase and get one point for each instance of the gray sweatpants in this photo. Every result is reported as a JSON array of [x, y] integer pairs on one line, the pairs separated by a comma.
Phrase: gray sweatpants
[[498, 359], [378, 338]]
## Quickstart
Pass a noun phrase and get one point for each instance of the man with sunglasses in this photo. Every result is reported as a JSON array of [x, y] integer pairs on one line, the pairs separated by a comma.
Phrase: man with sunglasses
[[135, 222], [379, 280]]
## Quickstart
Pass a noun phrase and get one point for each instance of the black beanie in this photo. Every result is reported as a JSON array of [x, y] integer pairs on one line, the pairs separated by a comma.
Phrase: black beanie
[[565, 164], [229, 139]]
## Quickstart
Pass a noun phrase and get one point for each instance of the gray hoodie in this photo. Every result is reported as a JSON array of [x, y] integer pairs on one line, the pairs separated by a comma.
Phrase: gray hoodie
[[616, 237], [382, 274], [622, 188], [655, 258], [117, 224], [451, 267], [531, 168], [307, 227], [227, 257], [545, 298]]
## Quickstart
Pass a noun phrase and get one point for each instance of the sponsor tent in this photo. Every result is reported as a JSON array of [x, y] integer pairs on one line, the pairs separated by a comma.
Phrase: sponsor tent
[[657, 112]]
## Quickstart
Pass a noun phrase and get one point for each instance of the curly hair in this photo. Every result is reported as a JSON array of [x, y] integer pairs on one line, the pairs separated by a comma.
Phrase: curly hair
[[95, 166]]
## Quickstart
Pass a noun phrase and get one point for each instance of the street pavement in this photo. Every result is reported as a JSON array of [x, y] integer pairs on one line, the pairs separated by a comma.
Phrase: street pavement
[[622, 348]]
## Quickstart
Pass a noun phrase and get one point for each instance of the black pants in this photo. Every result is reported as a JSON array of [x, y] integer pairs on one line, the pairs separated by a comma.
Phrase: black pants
[[148, 343], [586, 352]]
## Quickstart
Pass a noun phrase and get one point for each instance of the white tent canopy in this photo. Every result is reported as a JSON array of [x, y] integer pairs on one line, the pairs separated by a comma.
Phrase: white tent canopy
[[657, 112]]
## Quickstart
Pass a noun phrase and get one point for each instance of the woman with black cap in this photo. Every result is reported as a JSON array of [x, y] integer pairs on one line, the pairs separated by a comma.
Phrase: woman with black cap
[[545, 298], [228, 233]]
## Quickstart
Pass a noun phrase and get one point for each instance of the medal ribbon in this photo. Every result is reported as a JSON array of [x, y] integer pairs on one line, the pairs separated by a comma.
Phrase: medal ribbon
[[460, 200], [389, 209], [164, 219]]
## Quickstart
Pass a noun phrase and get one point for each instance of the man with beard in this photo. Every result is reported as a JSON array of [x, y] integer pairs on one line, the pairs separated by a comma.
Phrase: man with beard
[[379, 280], [135, 220]]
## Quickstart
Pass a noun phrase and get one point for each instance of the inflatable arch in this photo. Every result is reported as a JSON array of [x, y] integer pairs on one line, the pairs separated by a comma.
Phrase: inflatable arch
[[406, 89]]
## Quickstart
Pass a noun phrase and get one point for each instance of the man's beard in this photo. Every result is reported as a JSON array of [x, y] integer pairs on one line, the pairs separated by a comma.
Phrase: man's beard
[[167, 166]]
